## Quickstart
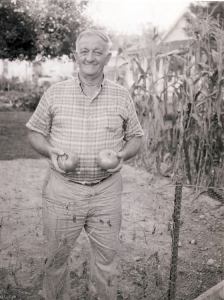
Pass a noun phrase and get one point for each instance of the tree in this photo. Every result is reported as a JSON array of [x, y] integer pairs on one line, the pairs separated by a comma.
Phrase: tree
[[216, 9], [48, 27], [58, 25], [17, 32], [212, 8]]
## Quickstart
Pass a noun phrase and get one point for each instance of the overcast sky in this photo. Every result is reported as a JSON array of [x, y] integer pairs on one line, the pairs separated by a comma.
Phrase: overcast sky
[[125, 16]]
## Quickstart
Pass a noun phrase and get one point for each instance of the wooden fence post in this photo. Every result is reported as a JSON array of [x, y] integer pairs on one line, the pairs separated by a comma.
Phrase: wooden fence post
[[175, 240]]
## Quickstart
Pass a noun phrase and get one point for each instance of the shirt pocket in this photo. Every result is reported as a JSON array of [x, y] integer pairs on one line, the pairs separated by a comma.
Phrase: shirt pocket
[[115, 121]]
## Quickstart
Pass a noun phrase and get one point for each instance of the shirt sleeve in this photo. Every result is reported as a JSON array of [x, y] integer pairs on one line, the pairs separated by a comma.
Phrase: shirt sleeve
[[41, 119], [133, 127]]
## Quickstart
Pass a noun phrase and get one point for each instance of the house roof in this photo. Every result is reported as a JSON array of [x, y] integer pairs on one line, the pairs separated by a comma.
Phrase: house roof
[[175, 25], [137, 47], [179, 38]]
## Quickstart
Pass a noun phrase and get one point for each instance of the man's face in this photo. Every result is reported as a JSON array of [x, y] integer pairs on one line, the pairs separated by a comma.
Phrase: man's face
[[92, 55]]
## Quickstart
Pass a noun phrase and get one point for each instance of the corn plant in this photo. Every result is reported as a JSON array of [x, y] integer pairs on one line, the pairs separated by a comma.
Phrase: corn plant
[[179, 101]]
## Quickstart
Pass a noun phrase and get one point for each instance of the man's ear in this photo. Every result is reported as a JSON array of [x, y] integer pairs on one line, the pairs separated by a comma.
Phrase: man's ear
[[75, 55], [108, 58]]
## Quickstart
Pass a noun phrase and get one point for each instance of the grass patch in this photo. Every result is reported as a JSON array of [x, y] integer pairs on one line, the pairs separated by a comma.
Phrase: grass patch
[[13, 136]]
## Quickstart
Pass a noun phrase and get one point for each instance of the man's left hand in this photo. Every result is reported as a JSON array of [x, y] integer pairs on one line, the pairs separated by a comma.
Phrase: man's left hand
[[120, 165]]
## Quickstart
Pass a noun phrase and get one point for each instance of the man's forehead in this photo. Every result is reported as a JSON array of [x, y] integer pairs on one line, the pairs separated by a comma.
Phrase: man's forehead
[[91, 41], [99, 33], [93, 36]]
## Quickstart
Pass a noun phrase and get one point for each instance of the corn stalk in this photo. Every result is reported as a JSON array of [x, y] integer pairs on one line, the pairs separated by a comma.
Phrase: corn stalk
[[179, 101]]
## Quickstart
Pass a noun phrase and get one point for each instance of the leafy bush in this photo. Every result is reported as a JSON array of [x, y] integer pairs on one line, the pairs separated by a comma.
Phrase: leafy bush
[[30, 100], [20, 95]]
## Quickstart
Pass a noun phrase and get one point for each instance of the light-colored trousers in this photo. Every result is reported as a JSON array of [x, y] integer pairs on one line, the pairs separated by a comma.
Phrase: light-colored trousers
[[67, 208]]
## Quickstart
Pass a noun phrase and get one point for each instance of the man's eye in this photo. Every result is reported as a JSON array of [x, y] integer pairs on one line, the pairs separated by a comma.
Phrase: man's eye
[[98, 53], [83, 52]]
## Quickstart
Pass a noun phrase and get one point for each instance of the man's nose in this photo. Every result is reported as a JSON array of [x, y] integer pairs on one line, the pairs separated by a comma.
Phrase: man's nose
[[90, 57]]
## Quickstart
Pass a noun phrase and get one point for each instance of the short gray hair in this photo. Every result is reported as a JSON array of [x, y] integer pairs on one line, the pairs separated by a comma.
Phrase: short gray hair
[[100, 33]]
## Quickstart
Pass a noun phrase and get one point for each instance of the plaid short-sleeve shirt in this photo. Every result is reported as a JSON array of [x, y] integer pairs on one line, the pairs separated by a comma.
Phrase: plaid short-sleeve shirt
[[74, 122]]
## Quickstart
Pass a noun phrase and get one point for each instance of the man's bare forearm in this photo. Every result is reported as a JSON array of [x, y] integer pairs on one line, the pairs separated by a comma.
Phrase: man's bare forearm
[[132, 147], [40, 143]]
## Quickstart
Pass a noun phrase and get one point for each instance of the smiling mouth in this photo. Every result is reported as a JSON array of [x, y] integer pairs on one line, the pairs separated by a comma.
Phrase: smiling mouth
[[89, 64]]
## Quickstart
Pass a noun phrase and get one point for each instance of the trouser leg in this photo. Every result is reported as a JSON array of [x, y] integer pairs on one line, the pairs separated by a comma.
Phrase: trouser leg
[[56, 284], [103, 226], [62, 226]]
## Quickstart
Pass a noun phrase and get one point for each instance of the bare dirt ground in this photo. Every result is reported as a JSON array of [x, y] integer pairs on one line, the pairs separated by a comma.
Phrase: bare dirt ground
[[145, 237]]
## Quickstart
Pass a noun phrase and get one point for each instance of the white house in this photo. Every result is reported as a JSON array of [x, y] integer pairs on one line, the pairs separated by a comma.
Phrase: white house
[[154, 56]]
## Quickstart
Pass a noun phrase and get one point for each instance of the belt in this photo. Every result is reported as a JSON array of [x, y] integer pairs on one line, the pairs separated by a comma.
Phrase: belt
[[90, 183]]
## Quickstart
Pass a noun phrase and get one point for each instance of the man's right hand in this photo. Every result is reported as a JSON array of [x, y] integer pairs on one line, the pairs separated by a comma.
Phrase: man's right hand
[[40, 144], [54, 153]]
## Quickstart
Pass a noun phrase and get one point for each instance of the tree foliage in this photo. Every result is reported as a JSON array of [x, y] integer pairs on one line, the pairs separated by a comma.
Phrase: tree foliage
[[212, 8], [17, 31], [49, 27], [58, 24]]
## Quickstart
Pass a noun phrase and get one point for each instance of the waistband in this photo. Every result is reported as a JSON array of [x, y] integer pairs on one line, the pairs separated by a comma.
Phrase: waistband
[[90, 183]]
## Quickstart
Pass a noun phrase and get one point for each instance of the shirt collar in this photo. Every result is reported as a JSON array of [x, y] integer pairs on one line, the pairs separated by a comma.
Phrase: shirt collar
[[80, 84]]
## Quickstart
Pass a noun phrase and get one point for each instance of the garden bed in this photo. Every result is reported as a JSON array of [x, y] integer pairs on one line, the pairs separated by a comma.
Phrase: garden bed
[[145, 235]]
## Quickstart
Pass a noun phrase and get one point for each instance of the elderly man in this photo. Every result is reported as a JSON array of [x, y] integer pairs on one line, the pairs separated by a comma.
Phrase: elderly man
[[85, 115]]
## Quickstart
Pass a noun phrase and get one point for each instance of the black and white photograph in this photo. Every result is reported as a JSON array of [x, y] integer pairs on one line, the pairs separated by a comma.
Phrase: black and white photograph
[[111, 150]]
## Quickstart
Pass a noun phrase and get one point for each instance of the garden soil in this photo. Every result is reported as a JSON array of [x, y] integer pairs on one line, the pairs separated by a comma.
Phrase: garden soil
[[146, 243]]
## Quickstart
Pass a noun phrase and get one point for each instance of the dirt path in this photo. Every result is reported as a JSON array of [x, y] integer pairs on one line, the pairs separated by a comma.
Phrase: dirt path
[[145, 236]]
